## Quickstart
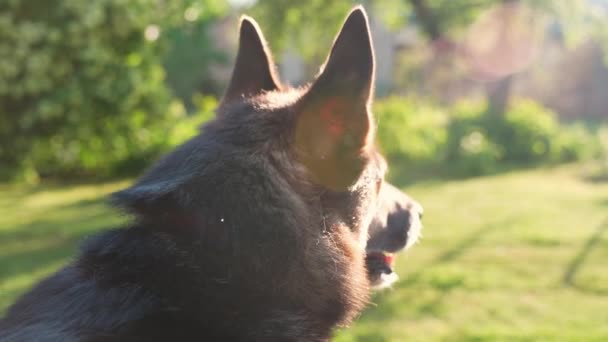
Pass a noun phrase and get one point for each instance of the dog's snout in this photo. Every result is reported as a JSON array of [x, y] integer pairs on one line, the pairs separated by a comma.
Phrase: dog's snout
[[398, 226], [398, 221]]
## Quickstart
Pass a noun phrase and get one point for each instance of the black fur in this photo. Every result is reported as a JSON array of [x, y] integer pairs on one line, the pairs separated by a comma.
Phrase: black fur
[[245, 232]]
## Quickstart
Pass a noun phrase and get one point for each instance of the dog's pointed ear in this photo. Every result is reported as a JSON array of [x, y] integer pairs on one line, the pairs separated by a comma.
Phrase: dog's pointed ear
[[349, 69], [334, 127], [254, 70]]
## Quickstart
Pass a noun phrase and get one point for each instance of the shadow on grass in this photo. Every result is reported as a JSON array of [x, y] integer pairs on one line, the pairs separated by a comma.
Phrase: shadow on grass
[[458, 249], [18, 263], [597, 178], [596, 172], [407, 173], [431, 305], [578, 261], [50, 243], [27, 248], [19, 192], [77, 221]]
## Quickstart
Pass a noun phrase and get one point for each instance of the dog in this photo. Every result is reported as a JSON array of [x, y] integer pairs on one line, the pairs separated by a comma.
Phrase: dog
[[272, 224]]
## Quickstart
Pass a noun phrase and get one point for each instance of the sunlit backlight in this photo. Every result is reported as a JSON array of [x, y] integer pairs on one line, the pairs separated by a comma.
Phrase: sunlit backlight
[[242, 3], [192, 13], [152, 32], [503, 41]]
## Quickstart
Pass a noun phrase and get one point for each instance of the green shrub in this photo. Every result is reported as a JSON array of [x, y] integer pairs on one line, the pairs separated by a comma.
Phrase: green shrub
[[466, 118], [189, 127], [410, 130], [161, 141], [192, 53], [574, 142], [477, 155], [527, 132], [417, 136], [602, 135], [81, 88], [470, 151]]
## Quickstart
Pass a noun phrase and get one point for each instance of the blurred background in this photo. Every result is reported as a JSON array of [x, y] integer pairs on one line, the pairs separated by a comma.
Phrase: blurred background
[[492, 113]]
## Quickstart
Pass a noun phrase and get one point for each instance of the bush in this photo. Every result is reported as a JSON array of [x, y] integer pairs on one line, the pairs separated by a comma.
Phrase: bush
[[528, 132], [602, 135], [466, 118], [189, 127], [470, 151], [418, 136], [575, 142], [81, 88], [181, 129], [193, 55], [410, 130]]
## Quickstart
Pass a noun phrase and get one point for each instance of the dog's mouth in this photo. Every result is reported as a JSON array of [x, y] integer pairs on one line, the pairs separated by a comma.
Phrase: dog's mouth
[[380, 269]]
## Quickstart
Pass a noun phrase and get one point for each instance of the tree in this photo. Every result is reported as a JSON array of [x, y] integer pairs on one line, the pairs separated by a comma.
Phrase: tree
[[443, 23], [305, 25], [81, 83], [512, 21], [192, 52]]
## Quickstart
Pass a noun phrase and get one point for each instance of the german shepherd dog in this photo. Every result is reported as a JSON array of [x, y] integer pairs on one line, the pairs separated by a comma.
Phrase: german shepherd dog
[[254, 230]]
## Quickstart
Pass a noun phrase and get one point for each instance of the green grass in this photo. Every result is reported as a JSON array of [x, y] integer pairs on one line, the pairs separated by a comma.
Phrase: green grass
[[40, 228], [521, 256]]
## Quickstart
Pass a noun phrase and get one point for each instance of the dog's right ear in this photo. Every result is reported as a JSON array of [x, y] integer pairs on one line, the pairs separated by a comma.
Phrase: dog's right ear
[[254, 71], [333, 126]]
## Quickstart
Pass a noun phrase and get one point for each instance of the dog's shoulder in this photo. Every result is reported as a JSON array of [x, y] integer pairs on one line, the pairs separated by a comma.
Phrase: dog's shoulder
[[85, 298]]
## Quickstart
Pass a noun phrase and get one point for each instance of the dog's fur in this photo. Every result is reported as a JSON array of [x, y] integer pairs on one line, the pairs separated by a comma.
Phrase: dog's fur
[[255, 230]]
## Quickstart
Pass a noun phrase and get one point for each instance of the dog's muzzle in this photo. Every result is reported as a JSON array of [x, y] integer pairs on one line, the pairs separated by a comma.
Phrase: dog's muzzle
[[397, 226]]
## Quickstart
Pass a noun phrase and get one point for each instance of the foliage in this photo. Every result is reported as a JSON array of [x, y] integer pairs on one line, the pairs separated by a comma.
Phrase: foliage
[[527, 132], [410, 129], [192, 53], [189, 127], [602, 135], [603, 140], [475, 155], [466, 118], [575, 142], [466, 140], [174, 133], [82, 84], [284, 21]]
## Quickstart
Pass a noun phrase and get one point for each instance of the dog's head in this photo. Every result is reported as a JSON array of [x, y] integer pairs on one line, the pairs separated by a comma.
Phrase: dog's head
[[294, 174], [320, 136], [334, 139]]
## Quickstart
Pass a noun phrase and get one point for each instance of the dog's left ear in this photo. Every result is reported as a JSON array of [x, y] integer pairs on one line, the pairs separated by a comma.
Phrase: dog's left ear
[[254, 71], [333, 126]]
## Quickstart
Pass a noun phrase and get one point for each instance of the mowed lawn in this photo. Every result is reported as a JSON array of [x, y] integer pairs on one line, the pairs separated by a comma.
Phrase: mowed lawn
[[521, 256]]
